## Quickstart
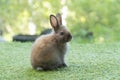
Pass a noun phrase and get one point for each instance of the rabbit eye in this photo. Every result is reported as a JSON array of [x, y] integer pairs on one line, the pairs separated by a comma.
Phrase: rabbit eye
[[61, 33]]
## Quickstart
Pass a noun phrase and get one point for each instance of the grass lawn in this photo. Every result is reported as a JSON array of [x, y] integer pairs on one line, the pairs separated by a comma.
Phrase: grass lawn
[[85, 62]]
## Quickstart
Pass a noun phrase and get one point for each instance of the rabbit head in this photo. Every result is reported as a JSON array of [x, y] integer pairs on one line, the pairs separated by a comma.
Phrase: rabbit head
[[62, 35]]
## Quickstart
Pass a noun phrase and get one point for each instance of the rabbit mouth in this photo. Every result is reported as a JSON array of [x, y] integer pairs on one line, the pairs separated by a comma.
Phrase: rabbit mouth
[[68, 38], [64, 39]]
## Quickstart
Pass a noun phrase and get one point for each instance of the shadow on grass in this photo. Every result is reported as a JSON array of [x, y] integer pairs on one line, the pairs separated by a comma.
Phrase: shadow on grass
[[44, 75]]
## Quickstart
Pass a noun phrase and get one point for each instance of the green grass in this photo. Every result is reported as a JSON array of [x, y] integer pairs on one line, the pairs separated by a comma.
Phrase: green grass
[[86, 62]]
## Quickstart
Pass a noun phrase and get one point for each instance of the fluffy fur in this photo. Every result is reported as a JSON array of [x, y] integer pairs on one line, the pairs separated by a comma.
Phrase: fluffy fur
[[48, 51]]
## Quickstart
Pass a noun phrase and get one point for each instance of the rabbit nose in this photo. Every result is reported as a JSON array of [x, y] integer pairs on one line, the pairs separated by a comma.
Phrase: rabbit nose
[[69, 37]]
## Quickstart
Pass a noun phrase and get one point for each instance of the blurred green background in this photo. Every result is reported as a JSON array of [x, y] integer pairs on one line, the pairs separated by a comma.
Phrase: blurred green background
[[90, 21]]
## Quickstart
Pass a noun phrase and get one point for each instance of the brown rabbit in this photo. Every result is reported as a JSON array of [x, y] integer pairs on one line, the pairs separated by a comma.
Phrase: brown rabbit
[[49, 50]]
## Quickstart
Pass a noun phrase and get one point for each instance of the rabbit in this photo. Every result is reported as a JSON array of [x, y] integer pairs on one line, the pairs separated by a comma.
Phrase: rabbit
[[48, 51]]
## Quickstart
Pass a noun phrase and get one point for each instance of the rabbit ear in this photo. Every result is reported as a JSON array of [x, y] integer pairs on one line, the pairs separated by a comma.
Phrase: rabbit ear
[[54, 22], [59, 18]]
